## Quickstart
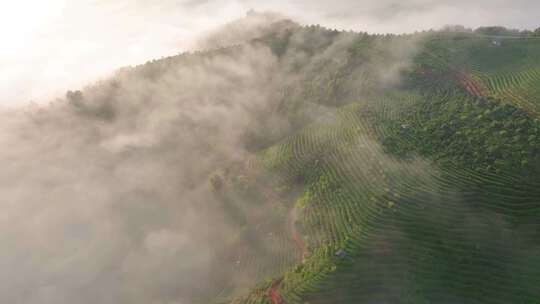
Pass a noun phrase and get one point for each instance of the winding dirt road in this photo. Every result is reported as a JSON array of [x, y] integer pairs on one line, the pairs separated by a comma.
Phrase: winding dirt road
[[472, 86], [273, 292]]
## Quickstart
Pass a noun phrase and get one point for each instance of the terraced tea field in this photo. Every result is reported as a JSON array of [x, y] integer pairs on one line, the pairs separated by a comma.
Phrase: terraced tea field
[[253, 261], [507, 67], [379, 228], [424, 193]]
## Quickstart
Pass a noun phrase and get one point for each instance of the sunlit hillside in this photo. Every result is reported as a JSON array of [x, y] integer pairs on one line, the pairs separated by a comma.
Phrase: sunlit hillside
[[294, 164]]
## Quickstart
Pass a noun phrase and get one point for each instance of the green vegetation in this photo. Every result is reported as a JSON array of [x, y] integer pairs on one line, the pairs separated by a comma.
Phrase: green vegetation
[[409, 166], [482, 135], [506, 68], [500, 31], [423, 193], [413, 233]]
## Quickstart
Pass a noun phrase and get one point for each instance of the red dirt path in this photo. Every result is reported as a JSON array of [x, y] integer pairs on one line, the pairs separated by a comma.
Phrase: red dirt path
[[470, 85], [295, 235], [273, 292]]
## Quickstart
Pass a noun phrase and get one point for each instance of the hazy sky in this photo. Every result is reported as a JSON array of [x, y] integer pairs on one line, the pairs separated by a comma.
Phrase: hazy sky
[[49, 46]]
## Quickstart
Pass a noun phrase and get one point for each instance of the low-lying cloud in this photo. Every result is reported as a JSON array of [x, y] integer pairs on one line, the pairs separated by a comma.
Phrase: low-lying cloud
[[105, 196], [106, 193]]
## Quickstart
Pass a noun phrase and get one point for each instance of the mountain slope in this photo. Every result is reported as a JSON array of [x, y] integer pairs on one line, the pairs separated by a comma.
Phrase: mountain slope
[[421, 192], [346, 167]]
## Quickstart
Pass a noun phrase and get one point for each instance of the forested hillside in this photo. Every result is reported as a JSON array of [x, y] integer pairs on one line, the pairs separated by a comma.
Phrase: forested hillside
[[348, 167]]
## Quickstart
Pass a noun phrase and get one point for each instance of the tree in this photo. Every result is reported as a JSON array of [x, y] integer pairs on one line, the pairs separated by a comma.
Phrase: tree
[[456, 28], [75, 97], [537, 32], [497, 31]]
